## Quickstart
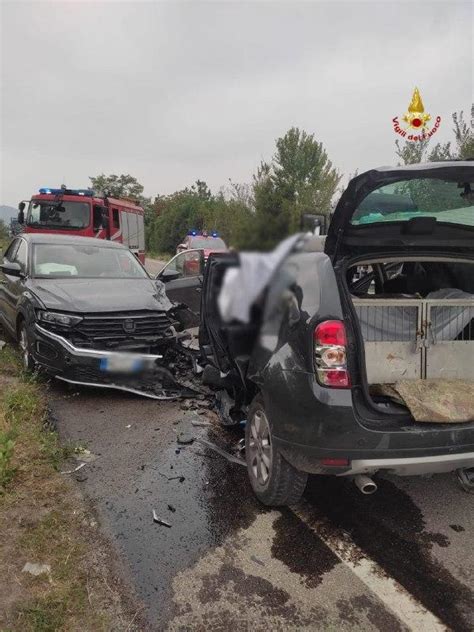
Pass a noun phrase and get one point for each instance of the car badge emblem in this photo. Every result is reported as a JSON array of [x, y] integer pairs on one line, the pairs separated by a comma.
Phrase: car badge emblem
[[129, 326], [416, 119]]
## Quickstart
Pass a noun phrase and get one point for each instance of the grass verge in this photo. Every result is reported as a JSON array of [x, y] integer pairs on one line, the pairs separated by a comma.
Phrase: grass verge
[[44, 520]]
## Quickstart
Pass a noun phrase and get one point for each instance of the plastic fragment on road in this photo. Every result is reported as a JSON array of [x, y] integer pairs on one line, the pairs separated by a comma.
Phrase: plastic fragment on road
[[36, 569], [184, 438], [230, 457], [466, 480], [159, 520], [85, 455], [200, 424], [81, 465]]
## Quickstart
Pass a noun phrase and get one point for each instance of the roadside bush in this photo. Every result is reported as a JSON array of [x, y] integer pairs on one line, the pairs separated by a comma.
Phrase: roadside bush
[[185, 210]]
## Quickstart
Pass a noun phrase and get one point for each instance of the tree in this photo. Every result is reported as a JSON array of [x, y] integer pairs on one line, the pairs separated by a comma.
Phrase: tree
[[123, 186], [415, 152], [299, 179], [196, 207]]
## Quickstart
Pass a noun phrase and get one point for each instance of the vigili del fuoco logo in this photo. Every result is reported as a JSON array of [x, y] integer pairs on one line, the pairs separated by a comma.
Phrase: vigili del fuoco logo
[[416, 119]]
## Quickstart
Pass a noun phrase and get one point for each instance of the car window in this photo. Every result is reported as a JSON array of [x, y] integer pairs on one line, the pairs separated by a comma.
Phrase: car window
[[211, 243], [85, 261], [444, 200], [10, 251], [188, 264], [21, 253]]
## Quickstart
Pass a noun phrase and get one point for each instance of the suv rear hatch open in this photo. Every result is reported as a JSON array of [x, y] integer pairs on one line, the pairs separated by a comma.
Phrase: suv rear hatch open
[[402, 242]]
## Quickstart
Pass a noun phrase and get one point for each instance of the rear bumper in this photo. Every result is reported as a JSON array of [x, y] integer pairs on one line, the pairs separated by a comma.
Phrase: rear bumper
[[427, 461], [413, 466], [309, 428]]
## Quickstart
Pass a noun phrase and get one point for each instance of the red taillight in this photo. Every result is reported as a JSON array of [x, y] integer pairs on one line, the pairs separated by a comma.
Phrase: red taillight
[[335, 462], [331, 332], [330, 343]]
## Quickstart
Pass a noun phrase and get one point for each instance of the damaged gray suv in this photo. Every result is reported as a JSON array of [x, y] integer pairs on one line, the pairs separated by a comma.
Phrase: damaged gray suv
[[85, 311], [352, 355]]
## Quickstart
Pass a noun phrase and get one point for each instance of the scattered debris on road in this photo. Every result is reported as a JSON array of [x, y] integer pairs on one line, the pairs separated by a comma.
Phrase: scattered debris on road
[[171, 508], [184, 438], [81, 465], [466, 480], [230, 457], [159, 520]]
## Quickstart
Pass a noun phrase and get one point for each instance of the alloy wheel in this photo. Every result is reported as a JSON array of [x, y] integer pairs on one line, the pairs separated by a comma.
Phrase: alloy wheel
[[25, 353], [260, 447]]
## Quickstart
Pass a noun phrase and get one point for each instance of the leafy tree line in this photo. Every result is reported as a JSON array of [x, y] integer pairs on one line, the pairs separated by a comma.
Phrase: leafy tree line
[[300, 178]]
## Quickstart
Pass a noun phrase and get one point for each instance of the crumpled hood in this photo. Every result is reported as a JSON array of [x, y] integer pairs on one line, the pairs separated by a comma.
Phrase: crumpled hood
[[100, 295]]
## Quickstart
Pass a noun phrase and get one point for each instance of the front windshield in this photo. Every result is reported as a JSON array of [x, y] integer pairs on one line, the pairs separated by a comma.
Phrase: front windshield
[[65, 215], [208, 243], [445, 200], [84, 262]]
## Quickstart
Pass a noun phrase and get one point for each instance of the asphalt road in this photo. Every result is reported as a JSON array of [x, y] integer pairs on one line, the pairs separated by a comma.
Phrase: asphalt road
[[400, 559], [154, 265]]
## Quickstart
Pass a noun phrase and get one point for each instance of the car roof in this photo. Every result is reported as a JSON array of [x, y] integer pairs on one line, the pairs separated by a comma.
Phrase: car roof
[[421, 166], [70, 240]]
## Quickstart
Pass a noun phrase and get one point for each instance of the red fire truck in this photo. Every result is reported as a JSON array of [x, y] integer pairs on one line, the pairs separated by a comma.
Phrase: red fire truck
[[81, 212]]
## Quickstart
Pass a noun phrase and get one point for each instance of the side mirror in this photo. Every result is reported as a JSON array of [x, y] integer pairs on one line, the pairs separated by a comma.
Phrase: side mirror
[[21, 213], [317, 224], [168, 275], [12, 268]]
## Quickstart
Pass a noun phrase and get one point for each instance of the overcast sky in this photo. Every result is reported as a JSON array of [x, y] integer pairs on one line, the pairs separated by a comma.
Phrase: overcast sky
[[175, 91]]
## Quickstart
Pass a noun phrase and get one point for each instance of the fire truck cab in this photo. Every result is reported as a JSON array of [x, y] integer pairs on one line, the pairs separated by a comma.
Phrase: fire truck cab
[[81, 212]]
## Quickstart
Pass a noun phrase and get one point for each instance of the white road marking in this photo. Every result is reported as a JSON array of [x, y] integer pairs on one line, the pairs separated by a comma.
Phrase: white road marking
[[394, 596]]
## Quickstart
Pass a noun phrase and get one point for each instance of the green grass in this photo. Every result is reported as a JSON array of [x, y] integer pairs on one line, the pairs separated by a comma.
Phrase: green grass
[[41, 520]]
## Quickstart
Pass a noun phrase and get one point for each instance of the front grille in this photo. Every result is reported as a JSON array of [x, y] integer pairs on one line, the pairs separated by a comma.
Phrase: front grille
[[115, 327], [110, 330]]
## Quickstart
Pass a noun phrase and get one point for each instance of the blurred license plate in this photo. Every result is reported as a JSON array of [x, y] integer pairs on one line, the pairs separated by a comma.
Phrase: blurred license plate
[[121, 363]]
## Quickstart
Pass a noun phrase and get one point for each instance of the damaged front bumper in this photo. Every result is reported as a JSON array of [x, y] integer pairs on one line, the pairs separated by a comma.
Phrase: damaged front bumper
[[138, 373]]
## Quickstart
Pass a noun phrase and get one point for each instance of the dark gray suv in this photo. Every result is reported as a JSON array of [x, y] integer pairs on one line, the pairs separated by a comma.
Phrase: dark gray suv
[[354, 355]]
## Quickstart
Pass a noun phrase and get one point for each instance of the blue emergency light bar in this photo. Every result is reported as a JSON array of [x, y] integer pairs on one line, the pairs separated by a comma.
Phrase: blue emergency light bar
[[85, 192], [204, 233]]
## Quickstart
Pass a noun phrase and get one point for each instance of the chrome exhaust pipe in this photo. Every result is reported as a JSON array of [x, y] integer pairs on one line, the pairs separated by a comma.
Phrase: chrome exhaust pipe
[[365, 484]]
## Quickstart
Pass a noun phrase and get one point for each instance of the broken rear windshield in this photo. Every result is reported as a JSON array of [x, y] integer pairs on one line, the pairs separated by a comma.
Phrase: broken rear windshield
[[447, 201]]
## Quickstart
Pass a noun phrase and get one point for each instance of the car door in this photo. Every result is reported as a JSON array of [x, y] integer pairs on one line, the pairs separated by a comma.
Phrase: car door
[[4, 280], [14, 285], [182, 276]]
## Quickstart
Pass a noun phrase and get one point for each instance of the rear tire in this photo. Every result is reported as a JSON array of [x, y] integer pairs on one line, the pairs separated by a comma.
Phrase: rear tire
[[274, 481]]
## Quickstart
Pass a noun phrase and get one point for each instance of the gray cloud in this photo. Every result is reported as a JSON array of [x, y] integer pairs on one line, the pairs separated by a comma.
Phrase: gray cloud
[[176, 91]]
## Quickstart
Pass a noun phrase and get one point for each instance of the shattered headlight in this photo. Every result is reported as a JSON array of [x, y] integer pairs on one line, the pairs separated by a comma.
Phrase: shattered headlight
[[55, 318]]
